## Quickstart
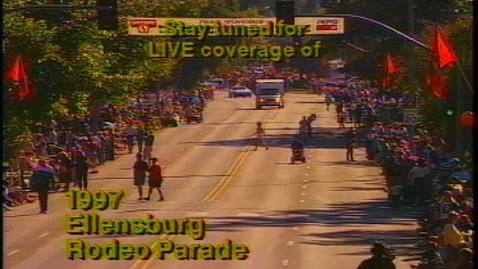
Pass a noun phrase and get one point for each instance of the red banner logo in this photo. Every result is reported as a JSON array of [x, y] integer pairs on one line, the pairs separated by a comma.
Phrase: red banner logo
[[143, 26], [327, 25]]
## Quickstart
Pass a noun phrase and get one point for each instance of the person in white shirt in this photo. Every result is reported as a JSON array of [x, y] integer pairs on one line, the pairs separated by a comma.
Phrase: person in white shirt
[[52, 137], [416, 180], [130, 133]]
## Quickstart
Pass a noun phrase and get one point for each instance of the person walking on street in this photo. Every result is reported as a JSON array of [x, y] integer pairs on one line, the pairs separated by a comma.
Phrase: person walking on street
[[40, 182], [74, 153], [308, 125], [358, 115], [65, 173], [328, 100], [259, 136], [303, 127], [139, 172], [155, 179], [140, 139], [350, 143], [341, 120], [130, 132], [81, 166], [148, 146], [339, 108]]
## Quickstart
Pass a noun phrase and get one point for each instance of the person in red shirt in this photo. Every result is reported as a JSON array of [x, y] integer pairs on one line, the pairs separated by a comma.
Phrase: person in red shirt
[[155, 179]]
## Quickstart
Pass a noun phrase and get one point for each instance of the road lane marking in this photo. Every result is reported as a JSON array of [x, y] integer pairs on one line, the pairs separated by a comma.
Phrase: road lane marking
[[306, 180], [285, 262], [155, 254], [349, 217], [229, 174], [306, 174], [233, 169], [304, 187], [197, 214], [308, 167], [170, 161], [295, 228], [247, 214], [12, 253], [137, 263], [43, 235], [302, 194], [302, 201], [290, 243]]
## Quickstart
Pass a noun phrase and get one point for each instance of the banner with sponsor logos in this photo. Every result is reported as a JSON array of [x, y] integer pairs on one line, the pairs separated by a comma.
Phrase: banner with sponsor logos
[[156, 26]]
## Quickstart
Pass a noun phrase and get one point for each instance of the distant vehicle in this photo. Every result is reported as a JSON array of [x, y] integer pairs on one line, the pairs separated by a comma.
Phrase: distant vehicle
[[239, 91], [269, 92], [216, 83]]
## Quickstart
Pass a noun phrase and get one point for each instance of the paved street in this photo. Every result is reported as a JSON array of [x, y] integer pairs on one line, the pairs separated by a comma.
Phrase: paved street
[[324, 213]]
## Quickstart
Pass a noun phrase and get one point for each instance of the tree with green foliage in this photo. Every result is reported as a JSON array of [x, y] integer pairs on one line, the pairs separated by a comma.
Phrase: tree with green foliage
[[74, 66]]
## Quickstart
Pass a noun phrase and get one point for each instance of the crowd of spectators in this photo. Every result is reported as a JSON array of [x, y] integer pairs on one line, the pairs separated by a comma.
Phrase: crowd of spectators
[[64, 144], [420, 170]]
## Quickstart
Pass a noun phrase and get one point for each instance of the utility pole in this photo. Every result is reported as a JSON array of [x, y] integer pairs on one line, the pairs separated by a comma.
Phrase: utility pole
[[411, 32], [459, 109]]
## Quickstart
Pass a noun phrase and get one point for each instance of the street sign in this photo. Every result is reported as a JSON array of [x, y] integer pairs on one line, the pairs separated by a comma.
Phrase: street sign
[[411, 115], [139, 26]]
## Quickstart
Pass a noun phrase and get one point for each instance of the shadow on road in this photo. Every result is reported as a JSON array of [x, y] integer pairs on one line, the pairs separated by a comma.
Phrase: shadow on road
[[344, 215], [357, 189], [309, 102], [190, 176], [247, 108], [230, 123], [346, 163], [324, 137]]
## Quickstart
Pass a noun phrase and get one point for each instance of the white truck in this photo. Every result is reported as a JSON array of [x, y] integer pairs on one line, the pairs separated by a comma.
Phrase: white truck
[[269, 92]]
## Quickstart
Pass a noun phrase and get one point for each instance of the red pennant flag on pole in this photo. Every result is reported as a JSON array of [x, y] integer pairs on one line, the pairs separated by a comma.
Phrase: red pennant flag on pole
[[443, 51], [437, 83], [391, 67], [18, 74]]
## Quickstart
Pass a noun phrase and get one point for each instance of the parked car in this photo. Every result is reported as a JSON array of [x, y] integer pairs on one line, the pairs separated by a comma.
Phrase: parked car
[[240, 91]]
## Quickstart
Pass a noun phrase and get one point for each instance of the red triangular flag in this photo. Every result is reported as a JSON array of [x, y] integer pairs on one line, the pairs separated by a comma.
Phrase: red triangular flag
[[18, 71], [443, 50], [18, 74]]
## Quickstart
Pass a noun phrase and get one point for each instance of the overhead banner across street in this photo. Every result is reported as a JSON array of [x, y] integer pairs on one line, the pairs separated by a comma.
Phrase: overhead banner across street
[[157, 26]]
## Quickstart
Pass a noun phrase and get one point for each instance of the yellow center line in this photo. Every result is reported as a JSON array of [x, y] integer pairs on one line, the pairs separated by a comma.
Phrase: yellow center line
[[234, 168], [142, 264], [155, 253], [220, 187], [224, 178]]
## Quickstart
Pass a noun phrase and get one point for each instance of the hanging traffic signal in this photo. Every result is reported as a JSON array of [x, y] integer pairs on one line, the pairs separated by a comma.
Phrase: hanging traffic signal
[[108, 17], [449, 112], [285, 11]]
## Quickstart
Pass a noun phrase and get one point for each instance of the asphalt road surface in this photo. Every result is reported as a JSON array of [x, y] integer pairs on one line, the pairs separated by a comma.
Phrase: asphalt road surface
[[324, 213]]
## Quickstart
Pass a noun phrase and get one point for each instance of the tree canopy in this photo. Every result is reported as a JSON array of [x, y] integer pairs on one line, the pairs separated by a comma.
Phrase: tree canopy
[[72, 64]]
